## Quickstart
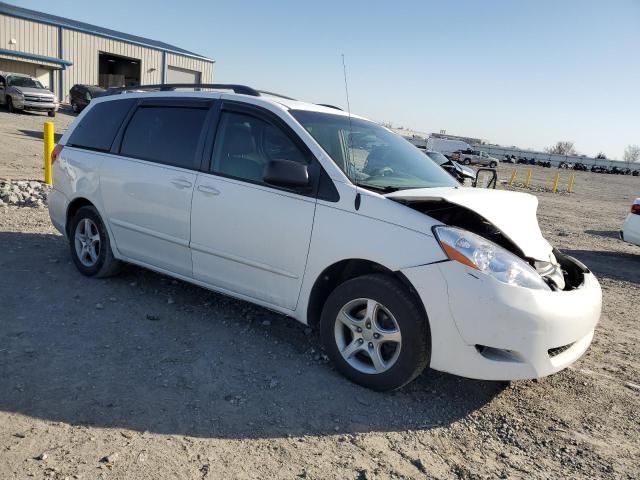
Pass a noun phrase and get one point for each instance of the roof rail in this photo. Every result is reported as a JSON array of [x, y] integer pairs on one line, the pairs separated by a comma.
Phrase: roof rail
[[240, 89], [329, 106]]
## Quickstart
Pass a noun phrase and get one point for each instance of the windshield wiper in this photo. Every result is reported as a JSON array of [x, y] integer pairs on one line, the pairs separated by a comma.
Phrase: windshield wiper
[[385, 189]]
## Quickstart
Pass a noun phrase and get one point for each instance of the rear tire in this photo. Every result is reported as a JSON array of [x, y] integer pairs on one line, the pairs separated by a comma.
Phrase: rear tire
[[379, 305], [466, 161], [493, 165], [51, 113], [90, 245]]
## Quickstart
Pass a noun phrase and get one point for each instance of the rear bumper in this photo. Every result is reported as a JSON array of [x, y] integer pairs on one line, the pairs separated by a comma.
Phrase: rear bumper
[[58, 204], [484, 329], [630, 232]]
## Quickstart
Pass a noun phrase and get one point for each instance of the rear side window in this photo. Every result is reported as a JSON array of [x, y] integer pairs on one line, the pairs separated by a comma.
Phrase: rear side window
[[166, 135], [99, 126]]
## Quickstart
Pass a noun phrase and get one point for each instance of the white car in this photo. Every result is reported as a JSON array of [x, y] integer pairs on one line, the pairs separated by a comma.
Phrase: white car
[[631, 229], [330, 219]]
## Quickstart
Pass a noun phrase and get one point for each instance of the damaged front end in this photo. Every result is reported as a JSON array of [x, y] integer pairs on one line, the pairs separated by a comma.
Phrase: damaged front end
[[558, 271]]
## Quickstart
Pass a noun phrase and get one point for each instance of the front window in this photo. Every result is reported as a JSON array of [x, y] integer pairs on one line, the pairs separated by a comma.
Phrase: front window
[[372, 156], [27, 82]]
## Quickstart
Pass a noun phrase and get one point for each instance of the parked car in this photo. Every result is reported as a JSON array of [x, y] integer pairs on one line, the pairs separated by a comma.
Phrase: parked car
[[580, 167], [261, 198], [81, 95], [599, 169], [635, 173], [630, 232], [565, 165], [509, 159], [476, 157], [544, 164], [523, 161], [460, 172], [22, 93]]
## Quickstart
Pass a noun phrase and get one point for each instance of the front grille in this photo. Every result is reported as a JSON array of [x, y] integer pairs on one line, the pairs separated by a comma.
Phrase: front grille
[[553, 352], [37, 98]]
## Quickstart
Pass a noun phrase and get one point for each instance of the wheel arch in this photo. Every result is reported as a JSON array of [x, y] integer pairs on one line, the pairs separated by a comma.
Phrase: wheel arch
[[75, 205], [347, 269]]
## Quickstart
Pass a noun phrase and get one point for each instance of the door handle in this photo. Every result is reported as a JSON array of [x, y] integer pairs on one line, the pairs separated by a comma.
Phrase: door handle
[[181, 183], [207, 190]]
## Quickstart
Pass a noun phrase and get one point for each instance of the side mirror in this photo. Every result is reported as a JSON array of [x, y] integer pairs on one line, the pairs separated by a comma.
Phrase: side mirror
[[286, 173]]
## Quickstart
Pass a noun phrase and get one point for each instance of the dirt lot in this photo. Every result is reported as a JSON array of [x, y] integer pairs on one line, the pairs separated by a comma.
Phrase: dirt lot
[[144, 377]]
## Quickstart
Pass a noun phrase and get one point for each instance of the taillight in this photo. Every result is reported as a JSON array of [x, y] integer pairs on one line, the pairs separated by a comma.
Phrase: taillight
[[635, 208], [57, 150]]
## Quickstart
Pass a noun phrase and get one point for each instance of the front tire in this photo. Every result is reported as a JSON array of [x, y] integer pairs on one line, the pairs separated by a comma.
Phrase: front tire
[[375, 332], [51, 113], [466, 161], [10, 106], [493, 165], [90, 245]]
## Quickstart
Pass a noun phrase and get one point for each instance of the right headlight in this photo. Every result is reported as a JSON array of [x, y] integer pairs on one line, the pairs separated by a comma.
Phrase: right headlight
[[480, 254]]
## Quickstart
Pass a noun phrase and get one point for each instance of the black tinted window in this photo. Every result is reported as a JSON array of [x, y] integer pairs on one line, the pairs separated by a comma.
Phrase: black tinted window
[[245, 145], [166, 135], [99, 126]]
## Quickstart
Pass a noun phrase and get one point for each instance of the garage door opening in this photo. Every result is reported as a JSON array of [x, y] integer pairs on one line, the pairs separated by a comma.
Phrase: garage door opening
[[116, 71], [182, 75]]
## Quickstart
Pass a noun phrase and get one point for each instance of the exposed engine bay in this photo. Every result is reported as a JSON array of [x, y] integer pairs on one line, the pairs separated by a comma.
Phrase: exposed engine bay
[[561, 272]]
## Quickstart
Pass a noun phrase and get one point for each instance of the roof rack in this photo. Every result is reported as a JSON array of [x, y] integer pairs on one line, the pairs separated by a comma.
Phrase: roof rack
[[240, 89], [329, 106]]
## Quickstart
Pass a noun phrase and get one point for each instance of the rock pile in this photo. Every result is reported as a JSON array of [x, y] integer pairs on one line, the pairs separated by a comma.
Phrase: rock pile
[[23, 193]]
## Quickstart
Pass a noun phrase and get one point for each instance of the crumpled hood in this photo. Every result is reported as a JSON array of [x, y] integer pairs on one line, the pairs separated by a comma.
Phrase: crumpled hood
[[513, 213]]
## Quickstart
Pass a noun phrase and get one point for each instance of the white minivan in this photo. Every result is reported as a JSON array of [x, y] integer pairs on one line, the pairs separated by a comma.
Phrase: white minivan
[[328, 218]]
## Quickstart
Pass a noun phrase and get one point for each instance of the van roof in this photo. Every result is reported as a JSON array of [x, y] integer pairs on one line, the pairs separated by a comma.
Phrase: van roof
[[230, 91]]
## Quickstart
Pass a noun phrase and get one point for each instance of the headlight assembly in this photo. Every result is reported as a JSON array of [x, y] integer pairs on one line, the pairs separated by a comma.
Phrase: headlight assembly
[[480, 254]]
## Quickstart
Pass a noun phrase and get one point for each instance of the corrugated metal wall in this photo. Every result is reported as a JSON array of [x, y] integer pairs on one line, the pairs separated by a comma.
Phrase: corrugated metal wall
[[205, 68], [31, 37], [83, 49]]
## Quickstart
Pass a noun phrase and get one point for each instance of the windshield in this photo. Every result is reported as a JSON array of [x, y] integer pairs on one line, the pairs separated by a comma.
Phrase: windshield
[[438, 157], [13, 81], [371, 155]]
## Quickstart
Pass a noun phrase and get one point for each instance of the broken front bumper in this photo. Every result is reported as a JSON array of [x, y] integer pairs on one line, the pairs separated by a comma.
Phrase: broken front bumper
[[489, 330]]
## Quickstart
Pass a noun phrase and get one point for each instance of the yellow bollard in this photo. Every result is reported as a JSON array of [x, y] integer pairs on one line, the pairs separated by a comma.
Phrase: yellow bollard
[[48, 148], [570, 184], [555, 183], [528, 181], [513, 176]]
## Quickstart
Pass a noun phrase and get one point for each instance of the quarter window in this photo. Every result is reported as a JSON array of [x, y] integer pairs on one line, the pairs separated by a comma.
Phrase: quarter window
[[99, 126], [167, 135], [246, 144]]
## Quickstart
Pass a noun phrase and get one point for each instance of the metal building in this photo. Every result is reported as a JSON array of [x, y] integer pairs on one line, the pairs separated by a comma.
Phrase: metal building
[[61, 52]]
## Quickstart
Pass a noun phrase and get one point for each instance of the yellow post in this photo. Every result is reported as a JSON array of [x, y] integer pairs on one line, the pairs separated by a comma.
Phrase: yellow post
[[513, 176], [48, 148], [555, 183], [570, 185], [528, 181]]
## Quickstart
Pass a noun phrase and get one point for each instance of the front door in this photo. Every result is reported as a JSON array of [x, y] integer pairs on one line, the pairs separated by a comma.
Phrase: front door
[[248, 237]]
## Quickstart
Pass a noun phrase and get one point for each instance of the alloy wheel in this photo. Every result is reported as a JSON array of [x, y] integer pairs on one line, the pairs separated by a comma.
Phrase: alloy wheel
[[87, 242], [367, 336]]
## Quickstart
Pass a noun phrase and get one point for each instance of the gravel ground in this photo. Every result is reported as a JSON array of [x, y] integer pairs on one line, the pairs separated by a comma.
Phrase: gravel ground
[[141, 376], [21, 142]]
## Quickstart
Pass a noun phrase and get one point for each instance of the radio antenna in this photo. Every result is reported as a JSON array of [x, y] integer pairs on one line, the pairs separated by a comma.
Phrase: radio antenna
[[352, 169]]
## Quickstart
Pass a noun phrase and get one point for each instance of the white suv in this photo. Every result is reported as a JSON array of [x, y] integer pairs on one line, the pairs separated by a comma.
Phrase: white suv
[[330, 219]]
